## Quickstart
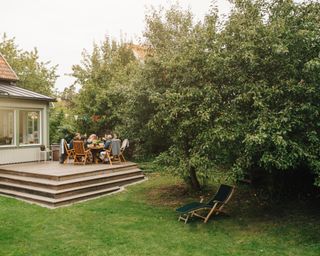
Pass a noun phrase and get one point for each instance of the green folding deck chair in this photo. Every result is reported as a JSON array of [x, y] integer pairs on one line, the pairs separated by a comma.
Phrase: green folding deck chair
[[213, 206]]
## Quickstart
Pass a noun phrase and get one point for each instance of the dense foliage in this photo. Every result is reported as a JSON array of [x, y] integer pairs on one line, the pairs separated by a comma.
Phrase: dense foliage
[[104, 77], [239, 94], [270, 61]]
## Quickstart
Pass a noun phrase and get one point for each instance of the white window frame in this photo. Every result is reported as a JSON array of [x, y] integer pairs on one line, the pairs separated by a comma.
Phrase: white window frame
[[14, 144], [40, 128]]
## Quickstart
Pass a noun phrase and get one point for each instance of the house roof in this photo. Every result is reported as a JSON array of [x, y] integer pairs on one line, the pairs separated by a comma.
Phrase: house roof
[[6, 72], [139, 51], [12, 91]]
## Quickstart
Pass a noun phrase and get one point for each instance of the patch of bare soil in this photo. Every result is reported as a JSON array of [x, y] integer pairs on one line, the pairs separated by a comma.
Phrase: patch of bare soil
[[171, 195]]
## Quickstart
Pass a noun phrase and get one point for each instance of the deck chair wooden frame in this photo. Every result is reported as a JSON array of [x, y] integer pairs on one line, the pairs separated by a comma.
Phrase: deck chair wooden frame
[[205, 210], [81, 156], [107, 156], [69, 152], [122, 149], [114, 158]]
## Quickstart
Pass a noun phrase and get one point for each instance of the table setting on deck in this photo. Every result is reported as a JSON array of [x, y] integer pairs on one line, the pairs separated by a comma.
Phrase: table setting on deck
[[95, 149], [107, 150]]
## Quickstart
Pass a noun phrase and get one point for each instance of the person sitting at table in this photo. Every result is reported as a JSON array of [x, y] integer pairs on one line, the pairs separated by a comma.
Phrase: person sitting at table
[[106, 146], [107, 143], [91, 138]]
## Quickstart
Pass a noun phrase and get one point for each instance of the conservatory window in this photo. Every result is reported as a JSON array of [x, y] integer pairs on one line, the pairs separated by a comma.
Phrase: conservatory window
[[29, 127], [6, 127]]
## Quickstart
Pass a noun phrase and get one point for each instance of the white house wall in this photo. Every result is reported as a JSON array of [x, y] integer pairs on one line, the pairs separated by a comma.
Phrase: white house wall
[[19, 155], [25, 153]]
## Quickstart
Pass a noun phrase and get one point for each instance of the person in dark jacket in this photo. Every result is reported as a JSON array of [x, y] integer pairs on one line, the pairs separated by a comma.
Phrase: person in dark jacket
[[106, 146]]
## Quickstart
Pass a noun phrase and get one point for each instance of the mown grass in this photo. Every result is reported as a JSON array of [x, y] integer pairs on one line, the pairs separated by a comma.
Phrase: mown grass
[[142, 221]]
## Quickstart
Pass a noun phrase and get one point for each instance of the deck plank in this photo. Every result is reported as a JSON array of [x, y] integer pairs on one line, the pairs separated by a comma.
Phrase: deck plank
[[59, 170]]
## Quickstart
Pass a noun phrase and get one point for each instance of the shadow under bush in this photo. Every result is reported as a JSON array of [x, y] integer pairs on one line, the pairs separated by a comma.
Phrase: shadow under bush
[[284, 184]]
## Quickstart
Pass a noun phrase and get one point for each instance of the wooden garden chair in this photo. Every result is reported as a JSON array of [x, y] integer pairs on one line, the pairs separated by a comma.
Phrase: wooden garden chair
[[69, 152], [114, 154], [124, 145], [115, 150], [107, 155], [110, 156], [81, 156], [204, 210]]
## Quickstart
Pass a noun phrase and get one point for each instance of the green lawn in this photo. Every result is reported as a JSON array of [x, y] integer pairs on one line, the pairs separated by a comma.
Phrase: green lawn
[[142, 221]]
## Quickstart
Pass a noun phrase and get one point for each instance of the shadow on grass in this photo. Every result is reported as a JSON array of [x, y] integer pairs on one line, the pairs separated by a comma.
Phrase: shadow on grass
[[172, 192]]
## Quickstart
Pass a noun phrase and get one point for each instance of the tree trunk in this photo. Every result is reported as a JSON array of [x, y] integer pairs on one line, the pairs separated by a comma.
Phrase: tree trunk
[[193, 178]]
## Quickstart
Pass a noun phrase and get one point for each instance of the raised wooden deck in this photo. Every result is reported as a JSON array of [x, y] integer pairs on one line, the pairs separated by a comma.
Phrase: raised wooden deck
[[52, 184]]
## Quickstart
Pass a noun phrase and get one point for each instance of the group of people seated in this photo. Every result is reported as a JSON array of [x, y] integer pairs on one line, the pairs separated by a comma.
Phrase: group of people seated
[[104, 143]]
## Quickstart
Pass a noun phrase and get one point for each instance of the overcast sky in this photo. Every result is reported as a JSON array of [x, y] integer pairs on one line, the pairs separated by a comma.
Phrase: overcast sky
[[61, 29]]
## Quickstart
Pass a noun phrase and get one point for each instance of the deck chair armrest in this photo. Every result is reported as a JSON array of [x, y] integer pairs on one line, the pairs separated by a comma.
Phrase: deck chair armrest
[[217, 201]]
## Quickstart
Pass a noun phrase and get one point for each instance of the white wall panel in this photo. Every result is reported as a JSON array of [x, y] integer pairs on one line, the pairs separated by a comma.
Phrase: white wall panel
[[18, 155]]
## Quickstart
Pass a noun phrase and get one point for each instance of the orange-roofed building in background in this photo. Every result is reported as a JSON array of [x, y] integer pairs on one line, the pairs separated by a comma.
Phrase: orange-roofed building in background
[[140, 52]]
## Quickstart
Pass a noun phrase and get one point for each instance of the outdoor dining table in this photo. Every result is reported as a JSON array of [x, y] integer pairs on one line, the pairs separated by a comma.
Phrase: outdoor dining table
[[95, 150]]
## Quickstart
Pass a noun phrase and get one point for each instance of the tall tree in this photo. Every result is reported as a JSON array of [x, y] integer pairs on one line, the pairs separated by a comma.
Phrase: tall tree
[[243, 94], [239, 95], [33, 74], [175, 74], [268, 69], [103, 76]]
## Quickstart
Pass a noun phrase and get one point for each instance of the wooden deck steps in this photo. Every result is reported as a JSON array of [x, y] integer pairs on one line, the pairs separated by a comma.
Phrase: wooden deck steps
[[42, 185], [53, 202], [62, 172]]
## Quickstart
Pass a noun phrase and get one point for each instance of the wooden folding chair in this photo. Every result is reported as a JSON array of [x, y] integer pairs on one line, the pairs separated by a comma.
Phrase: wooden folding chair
[[81, 156], [124, 145], [107, 156], [115, 150], [69, 152]]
